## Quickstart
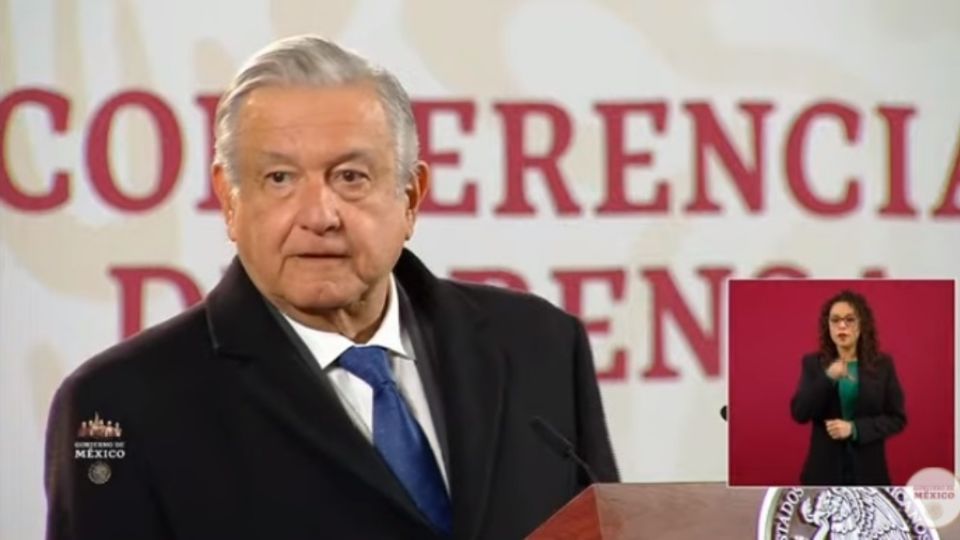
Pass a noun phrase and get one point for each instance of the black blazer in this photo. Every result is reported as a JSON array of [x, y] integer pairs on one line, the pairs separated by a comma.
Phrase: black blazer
[[879, 413], [231, 432]]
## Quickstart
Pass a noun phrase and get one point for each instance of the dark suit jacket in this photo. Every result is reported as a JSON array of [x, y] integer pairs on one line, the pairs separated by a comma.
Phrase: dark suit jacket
[[230, 431], [879, 413]]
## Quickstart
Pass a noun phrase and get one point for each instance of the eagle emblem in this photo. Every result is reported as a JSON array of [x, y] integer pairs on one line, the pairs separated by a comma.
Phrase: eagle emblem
[[844, 513]]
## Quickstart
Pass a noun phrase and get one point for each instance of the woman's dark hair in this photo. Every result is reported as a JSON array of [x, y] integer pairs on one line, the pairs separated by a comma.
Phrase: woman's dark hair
[[867, 347]]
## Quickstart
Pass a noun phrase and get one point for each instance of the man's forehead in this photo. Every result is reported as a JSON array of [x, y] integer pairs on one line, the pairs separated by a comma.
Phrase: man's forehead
[[299, 128], [294, 112], [339, 104]]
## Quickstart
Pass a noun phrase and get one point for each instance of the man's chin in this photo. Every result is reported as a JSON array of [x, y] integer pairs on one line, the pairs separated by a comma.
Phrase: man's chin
[[324, 300], [320, 308], [321, 304]]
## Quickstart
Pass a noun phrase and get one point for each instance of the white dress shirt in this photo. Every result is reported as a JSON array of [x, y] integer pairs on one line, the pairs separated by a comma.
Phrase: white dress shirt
[[355, 394]]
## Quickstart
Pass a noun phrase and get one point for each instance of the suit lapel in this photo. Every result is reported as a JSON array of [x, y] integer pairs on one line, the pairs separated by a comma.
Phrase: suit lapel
[[279, 374], [425, 352], [867, 394], [471, 377]]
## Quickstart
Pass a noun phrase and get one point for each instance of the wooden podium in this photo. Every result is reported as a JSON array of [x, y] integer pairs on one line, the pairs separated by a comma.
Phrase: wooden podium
[[661, 511], [666, 512]]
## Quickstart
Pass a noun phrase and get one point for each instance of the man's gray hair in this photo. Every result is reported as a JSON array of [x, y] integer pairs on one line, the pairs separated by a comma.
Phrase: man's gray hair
[[313, 61]]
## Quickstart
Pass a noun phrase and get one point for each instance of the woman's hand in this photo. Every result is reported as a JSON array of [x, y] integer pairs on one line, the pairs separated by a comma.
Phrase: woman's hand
[[839, 429], [837, 370]]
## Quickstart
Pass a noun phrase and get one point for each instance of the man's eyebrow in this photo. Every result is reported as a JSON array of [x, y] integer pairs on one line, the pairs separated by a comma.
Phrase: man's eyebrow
[[352, 155], [361, 155], [270, 155]]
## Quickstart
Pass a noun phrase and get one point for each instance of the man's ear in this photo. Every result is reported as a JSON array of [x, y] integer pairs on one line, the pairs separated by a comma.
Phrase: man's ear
[[227, 197], [415, 191]]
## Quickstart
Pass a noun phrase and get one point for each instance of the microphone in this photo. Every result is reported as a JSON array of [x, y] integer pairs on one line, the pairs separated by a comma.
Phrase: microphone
[[561, 445], [723, 412]]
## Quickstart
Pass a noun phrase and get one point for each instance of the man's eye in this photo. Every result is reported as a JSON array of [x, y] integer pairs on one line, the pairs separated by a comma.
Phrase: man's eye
[[278, 177], [350, 176]]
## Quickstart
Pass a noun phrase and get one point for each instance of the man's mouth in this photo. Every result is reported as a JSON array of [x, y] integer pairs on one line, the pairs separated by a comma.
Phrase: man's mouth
[[320, 256]]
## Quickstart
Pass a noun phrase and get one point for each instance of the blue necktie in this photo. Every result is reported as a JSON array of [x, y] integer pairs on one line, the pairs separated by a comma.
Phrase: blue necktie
[[398, 437]]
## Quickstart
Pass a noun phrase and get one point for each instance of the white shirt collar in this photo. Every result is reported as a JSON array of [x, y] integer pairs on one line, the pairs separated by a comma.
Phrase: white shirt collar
[[328, 346]]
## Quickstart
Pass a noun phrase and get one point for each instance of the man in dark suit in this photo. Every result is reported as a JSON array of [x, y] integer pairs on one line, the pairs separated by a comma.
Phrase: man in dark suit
[[329, 386]]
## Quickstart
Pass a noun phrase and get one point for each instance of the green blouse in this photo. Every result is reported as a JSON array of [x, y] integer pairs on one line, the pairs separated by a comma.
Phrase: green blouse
[[849, 389]]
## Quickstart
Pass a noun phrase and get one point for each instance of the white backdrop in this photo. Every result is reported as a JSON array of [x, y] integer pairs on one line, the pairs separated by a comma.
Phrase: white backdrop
[[818, 138]]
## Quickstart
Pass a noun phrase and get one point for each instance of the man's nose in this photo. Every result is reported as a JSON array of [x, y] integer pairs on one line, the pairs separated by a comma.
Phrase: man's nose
[[318, 206]]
